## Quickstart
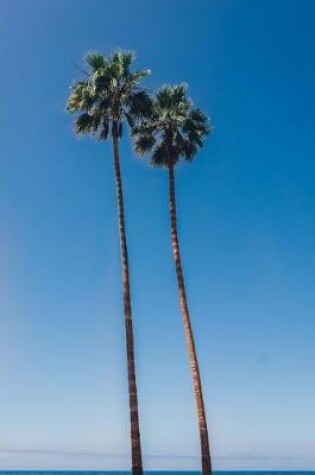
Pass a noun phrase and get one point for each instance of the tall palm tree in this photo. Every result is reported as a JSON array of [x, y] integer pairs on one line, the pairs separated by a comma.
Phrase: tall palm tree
[[174, 132], [107, 98]]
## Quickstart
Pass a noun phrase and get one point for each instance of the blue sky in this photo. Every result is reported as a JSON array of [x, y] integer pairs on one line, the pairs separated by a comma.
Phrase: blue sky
[[246, 218]]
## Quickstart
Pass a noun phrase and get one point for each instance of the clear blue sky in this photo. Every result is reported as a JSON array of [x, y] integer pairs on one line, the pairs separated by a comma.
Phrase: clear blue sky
[[247, 228]]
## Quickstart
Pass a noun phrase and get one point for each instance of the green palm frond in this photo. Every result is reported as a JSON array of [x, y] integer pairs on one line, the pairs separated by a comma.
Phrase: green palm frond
[[123, 60], [140, 104], [81, 97], [127, 58], [178, 95], [86, 124], [138, 75], [190, 149], [158, 155], [164, 98], [96, 61], [145, 126], [144, 144]]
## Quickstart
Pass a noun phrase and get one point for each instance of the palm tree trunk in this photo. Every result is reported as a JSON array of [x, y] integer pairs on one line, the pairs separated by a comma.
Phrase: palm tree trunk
[[202, 421], [137, 468]]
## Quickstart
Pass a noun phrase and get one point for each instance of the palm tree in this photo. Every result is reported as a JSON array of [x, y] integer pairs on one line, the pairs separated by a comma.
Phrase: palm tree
[[175, 131], [108, 97]]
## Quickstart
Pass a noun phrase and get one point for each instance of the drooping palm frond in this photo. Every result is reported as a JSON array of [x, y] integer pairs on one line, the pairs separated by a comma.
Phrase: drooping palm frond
[[87, 123], [81, 97], [174, 130], [139, 104], [111, 94], [159, 153], [144, 144]]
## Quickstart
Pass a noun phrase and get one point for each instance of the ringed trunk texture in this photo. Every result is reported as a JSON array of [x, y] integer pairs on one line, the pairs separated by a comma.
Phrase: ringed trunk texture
[[136, 455], [202, 421]]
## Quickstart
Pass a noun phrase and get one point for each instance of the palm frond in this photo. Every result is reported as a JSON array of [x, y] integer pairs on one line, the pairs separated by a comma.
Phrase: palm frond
[[164, 98], [160, 156], [86, 124], [140, 104], [144, 144], [178, 94], [125, 58], [80, 98], [140, 74], [144, 127], [96, 61], [189, 150]]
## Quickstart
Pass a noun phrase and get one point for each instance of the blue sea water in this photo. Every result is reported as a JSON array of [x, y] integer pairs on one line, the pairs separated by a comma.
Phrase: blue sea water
[[155, 472]]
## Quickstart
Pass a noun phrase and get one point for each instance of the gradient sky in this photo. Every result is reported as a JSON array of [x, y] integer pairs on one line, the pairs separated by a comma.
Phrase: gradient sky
[[246, 218]]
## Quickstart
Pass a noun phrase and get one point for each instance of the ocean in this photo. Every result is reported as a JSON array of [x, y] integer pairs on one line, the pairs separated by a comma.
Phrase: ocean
[[156, 472]]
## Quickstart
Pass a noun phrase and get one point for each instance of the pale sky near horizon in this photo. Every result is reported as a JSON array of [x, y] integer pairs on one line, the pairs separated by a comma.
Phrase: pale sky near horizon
[[246, 219]]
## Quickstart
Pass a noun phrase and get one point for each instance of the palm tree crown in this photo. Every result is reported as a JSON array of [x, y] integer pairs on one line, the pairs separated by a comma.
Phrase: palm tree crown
[[175, 129], [109, 95]]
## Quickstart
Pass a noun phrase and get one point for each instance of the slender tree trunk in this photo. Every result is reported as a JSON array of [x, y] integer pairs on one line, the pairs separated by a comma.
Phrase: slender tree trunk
[[202, 421], [137, 468]]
